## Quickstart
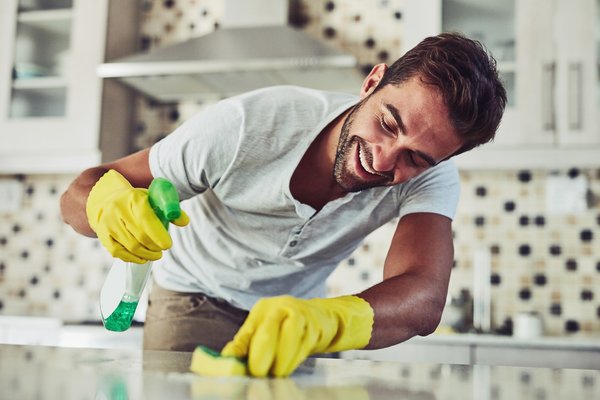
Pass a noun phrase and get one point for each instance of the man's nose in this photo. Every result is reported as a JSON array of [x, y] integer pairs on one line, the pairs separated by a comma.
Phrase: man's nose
[[385, 157]]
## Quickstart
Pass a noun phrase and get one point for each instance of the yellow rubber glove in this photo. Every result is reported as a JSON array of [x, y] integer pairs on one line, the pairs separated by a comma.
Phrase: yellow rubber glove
[[280, 332], [124, 221]]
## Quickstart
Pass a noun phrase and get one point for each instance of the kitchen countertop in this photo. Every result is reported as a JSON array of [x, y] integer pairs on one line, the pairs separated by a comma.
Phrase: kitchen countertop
[[551, 342], [29, 372]]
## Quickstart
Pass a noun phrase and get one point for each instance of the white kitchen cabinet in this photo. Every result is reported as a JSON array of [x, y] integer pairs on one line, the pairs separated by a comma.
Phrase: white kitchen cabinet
[[548, 54], [50, 95]]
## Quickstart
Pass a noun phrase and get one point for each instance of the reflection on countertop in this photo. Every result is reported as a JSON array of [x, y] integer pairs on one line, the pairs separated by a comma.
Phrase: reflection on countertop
[[76, 373], [53, 332]]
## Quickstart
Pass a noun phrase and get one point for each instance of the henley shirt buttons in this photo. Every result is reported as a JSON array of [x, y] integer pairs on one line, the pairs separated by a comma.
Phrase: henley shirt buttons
[[293, 243]]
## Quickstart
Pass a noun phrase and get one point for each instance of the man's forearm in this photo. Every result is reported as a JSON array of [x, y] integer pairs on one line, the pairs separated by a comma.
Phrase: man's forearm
[[73, 200], [404, 306]]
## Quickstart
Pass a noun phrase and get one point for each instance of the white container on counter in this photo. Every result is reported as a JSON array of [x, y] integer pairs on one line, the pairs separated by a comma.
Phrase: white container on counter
[[528, 325]]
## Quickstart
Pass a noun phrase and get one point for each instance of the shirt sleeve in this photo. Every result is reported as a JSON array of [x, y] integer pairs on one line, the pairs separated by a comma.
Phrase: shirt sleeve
[[435, 191], [197, 154]]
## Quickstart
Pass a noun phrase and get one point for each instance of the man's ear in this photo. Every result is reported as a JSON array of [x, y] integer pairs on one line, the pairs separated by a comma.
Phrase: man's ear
[[372, 80]]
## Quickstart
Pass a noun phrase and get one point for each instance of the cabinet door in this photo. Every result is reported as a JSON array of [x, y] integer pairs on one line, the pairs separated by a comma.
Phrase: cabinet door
[[494, 23], [578, 93], [50, 94]]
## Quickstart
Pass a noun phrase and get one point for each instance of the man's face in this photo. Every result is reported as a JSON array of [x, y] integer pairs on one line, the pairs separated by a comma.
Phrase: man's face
[[393, 135]]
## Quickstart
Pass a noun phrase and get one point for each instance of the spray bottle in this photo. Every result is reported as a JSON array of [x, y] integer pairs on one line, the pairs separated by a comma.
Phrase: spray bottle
[[125, 282]]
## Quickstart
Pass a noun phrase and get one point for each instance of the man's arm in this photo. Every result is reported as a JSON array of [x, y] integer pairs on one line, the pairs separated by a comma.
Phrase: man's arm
[[135, 168], [411, 298]]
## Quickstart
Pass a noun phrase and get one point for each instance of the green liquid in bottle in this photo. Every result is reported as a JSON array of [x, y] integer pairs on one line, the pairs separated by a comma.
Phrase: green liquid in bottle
[[120, 319]]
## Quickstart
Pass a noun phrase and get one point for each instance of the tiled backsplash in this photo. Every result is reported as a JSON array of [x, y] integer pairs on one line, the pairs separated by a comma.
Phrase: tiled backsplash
[[540, 261]]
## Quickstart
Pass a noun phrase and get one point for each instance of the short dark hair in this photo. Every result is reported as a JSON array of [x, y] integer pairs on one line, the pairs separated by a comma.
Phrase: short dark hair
[[466, 76]]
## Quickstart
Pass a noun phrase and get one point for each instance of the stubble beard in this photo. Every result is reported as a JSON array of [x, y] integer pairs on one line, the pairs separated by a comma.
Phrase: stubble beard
[[345, 153]]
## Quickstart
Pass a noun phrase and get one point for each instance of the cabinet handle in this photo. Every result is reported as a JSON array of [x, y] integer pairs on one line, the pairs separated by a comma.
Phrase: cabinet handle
[[548, 117], [574, 96]]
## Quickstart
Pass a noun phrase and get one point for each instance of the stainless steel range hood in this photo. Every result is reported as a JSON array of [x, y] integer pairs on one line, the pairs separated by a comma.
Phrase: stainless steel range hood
[[249, 52]]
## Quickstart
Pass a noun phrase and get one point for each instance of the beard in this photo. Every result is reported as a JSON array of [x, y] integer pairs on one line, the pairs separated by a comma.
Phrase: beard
[[345, 154]]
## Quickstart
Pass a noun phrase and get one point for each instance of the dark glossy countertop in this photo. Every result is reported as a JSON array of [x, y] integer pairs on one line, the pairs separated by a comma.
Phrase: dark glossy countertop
[[38, 372]]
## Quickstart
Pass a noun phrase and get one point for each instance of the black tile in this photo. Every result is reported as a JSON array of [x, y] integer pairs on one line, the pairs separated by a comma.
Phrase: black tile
[[556, 309], [351, 261], [587, 295], [571, 265], [49, 242], [365, 276], [540, 220], [383, 56], [586, 235], [510, 206], [495, 279], [573, 173], [398, 15], [588, 381], [169, 3], [571, 326], [145, 43], [598, 266], [16, 228], [525, 294], [140, 127], [56, 294], [3, 241], [480, 191], [479, 220], [34, 280], [1, 305], [174, 115], [495, 249], [523, 220], [540, 279], [524, 176], [555, 250], [329, 32], [329, 6], [370, 43], [24, 254], [524, 250]]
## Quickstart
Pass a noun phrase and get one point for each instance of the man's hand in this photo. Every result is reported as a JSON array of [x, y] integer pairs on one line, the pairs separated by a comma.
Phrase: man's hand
[[125, 222], [280, 332]]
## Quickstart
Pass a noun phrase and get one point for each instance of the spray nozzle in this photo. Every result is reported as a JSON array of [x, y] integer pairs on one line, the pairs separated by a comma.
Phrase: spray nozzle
[[164, 200]]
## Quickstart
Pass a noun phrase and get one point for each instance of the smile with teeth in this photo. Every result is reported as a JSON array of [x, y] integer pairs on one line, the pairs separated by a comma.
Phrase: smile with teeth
[[365, 161]]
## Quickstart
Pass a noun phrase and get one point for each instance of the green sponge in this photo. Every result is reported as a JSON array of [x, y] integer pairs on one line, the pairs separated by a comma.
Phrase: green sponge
[[209, 362]]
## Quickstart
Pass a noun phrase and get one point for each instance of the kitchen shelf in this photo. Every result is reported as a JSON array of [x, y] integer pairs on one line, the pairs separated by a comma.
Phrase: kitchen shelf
[[50, 82], [54, 21]]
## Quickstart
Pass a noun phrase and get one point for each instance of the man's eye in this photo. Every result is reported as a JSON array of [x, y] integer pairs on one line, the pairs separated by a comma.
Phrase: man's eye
[[385, 126]]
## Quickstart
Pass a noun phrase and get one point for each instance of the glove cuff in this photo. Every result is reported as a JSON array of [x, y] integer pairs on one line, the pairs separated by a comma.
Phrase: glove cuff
[[106, 186], [355, 319]]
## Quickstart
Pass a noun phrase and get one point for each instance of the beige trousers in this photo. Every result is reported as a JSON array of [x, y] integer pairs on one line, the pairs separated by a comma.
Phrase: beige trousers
[[181, 321]]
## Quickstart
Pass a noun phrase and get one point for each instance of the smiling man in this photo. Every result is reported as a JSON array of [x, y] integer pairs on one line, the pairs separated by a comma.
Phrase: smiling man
[[283, 183]]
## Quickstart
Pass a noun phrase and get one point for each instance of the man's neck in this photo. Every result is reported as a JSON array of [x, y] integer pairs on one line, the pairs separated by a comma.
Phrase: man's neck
[[313, 182]]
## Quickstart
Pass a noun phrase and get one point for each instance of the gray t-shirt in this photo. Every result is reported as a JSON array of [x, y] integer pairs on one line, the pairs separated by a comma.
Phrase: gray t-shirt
[[248, 237]]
